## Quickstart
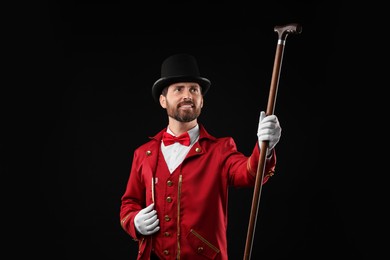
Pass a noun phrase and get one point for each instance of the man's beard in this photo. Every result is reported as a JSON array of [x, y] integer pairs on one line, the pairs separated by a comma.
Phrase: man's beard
[[181, 115]]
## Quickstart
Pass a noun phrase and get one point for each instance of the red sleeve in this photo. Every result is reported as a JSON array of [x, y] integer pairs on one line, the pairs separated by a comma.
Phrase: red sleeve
[[270, 164], [133, 199]]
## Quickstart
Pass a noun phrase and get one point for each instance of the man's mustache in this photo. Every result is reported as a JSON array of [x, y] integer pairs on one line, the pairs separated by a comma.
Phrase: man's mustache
[[186, 103]]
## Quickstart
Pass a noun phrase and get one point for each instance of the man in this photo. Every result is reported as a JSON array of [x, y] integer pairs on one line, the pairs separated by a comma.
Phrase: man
[[175, 202]]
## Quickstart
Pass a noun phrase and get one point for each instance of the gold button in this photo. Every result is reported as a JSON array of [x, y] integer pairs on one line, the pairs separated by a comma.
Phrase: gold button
[[148, 153], [166, 252], [198, 150], [271, 173], [169, 199], [200, 249], [166, 234], [167, 218], [169, 183]]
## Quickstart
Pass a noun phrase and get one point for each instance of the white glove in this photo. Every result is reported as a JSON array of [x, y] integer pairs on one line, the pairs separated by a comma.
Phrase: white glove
[[269, 130], [146, 221]]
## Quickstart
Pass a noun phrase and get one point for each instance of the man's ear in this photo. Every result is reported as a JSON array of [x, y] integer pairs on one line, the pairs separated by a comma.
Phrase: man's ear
[[163, 101]]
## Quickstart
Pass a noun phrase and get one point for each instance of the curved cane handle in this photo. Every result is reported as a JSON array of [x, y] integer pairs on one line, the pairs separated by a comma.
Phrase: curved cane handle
[[284, 30]]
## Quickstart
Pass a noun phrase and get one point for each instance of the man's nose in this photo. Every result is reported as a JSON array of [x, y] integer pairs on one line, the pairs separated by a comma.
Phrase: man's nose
[[187, 94]]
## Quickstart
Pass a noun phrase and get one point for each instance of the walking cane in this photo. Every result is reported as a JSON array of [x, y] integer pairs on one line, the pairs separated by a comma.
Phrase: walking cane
[[282, 31]]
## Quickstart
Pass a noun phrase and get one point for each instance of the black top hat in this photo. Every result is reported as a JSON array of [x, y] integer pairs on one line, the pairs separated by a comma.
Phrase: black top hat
[[179, 68]]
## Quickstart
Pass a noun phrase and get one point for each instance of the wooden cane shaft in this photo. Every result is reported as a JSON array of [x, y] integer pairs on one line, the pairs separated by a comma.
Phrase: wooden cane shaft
[[263, 153], [282, 31]]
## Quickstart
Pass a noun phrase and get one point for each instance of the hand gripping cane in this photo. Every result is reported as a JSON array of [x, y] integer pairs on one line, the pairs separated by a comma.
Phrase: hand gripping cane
[[282, 31]]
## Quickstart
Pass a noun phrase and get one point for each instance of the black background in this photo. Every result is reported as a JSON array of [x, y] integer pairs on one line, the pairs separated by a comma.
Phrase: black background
[[88, 105]]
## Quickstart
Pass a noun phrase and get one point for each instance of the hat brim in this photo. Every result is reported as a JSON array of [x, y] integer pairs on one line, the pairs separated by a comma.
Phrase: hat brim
[[160, 84]]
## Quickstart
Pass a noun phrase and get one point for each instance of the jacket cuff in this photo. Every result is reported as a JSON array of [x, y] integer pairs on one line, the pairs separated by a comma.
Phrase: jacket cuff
[[270, 161]]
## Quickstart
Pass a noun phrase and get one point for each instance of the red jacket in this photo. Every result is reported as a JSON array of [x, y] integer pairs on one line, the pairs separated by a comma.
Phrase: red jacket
[[193, 199]]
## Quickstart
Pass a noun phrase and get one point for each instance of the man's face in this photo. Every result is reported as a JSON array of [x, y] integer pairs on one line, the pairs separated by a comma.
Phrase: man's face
[[183, 101]]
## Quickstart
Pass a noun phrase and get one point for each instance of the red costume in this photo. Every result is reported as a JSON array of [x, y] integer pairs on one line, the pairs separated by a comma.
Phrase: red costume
[[191, 203]]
